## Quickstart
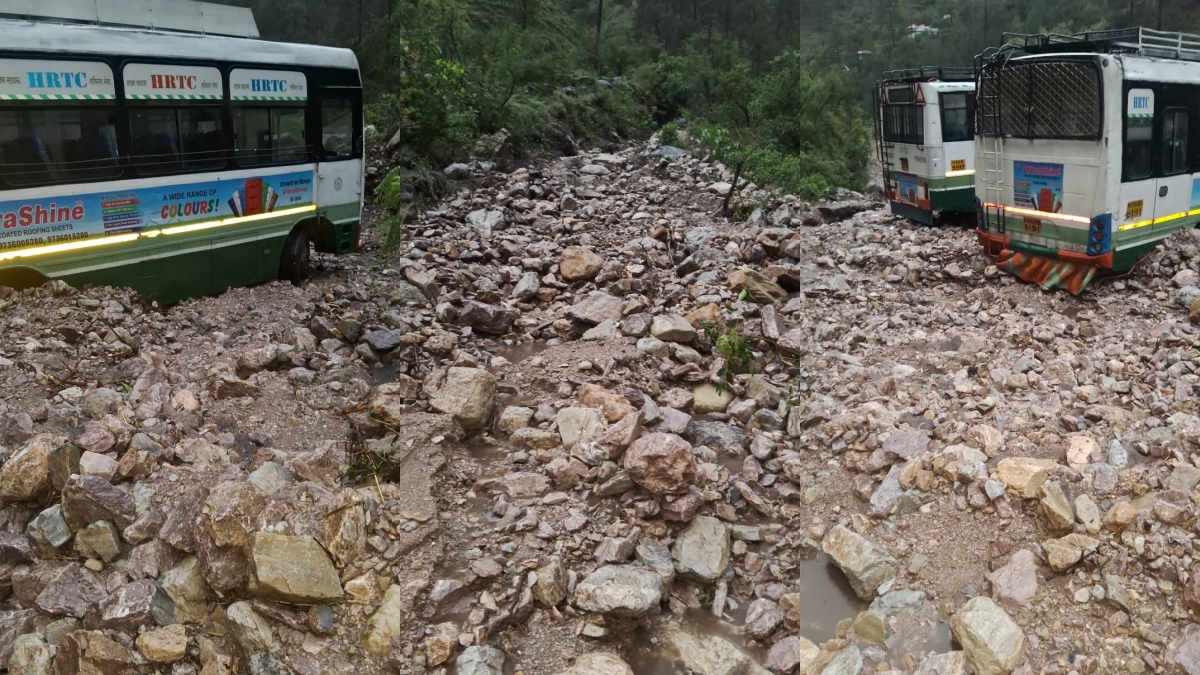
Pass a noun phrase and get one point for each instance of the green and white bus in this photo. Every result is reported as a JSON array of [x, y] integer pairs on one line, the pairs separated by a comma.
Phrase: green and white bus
[[176, 164], [924, 130], [1086, 160]]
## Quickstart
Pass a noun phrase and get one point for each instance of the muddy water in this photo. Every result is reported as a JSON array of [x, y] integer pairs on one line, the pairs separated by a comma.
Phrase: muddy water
[[825, 599], [521, 351]]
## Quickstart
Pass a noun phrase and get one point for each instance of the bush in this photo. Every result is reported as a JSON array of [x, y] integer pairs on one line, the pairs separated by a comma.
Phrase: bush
[[668, 134]]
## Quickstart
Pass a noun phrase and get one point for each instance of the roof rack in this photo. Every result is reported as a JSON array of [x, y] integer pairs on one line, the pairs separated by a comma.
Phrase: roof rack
[[941, 73], [189, 16], [1137, 40]]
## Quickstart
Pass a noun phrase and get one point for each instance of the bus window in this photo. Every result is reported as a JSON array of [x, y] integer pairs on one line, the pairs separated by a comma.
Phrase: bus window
[[956, 119], [337, 127], [269, 135], [1174, 142], [904, 124], [174, 139], [50, 145], [1139, 138]]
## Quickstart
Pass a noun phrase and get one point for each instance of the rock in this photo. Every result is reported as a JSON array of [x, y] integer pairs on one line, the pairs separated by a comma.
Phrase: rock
[[1064, 552], [99, 540], [1087, 513], [266, 663], [387, 622], [672, 328], [49, 528], [291, 569], [623, 590], [231, 513], [865, 564], [440, 645], [487, 319], [484, 221], [597, 307], [701, 550], [1060, 516], [480, 660], [15, 549], [849, 661], [551, 585], [185, 586], [1016, 583], [72, 592], [706, 654], [26, 474], [719, 436], [950, 663], [906, 444], [1024, 475], [30, 656], [130, 606], [457, 171], [467, 395], [1081, 451], [792, 653], [249, 629], [101, 466], [757, 286], [661, 463], [1120, 517], [100, 402], [615, 406], [513, 418], [579, 263], [525, 484], [598, 663], [992, 642], [763, 616], [13, 624], [227, 386], [271, 478], [163, 645], [579, 425], [526, 287], [88, 499], [707, 399], [1184, 650]]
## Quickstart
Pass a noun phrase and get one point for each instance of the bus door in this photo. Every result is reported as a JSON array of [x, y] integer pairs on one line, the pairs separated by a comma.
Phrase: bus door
[[339, 188], [1173, 194]]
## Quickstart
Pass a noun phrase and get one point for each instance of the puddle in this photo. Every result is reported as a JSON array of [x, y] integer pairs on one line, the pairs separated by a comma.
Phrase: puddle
[[825, 598]]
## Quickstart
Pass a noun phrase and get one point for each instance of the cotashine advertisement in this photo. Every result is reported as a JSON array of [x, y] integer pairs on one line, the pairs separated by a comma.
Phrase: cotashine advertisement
[[1038, 185], [51, 220]]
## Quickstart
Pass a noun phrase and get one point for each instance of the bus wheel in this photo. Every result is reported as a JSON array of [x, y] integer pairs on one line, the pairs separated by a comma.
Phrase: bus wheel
[[294, 263]]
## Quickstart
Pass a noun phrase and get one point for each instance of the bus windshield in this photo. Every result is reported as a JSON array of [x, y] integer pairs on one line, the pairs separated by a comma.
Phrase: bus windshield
[[1041, 99]]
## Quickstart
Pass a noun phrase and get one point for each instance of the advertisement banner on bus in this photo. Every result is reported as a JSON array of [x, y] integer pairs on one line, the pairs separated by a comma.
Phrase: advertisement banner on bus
[[48, 220], [1038, 186], [906, 188]]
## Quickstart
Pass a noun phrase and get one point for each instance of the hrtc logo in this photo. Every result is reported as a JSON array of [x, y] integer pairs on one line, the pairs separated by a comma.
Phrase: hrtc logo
[[268, 85], [47, 80], [172, 81], [1141, 102]]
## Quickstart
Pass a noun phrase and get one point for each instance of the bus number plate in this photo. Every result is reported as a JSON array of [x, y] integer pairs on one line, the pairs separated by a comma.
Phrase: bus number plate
[[1033, 225], [958, 165], [1133, 209]]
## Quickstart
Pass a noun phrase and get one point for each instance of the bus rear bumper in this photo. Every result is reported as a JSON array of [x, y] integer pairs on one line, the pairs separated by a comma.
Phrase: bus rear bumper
[[995, 244], [913, 213]]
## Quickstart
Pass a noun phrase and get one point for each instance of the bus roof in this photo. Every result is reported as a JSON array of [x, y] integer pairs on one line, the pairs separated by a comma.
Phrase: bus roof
[[72, 39]]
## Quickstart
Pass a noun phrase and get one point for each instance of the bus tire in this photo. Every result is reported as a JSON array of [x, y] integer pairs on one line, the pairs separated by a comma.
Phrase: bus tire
[[296, 258]]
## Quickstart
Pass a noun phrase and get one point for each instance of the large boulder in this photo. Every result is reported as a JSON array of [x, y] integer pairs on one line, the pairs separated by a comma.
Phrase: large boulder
[[579, 263], [704, 654], [598, 663], [291, 569], [488, 319], [26, 474], [865, 563], [701, 550], [661, 463], [387, 621], [992, 641], [620, 589], [467, 395]]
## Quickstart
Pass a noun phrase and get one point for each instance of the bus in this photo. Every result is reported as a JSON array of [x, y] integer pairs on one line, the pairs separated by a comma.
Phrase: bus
[[177, 164], [924, 131], [1086, 160]]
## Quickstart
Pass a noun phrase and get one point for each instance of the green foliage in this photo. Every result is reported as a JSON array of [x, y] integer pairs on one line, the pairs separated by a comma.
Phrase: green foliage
[[729, 344], [668, 134]]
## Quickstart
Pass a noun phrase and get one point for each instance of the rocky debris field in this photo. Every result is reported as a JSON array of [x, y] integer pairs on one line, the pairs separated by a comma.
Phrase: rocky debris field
[[580, 423]]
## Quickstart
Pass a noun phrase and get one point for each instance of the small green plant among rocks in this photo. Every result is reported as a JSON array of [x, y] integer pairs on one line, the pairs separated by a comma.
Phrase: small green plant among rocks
[[729, 344]]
